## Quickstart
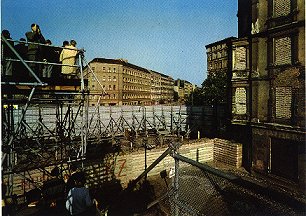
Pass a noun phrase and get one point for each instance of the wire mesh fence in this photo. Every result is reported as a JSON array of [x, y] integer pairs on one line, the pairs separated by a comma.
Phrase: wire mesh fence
[[198, 191]]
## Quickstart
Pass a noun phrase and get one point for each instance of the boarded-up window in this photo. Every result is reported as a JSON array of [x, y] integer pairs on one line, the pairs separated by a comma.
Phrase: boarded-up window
[[240, 99], [281, 7], [239, 58], [283, 102], [282, 50]]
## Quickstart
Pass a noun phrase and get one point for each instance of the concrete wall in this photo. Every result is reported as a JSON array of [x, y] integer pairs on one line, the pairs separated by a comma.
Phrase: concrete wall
[[126, 167]]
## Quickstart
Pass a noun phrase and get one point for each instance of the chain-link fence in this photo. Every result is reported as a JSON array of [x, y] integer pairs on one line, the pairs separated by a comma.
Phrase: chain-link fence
[[198, 189]]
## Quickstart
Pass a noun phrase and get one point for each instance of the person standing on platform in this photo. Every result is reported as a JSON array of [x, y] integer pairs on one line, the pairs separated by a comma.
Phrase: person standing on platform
[[6, 52], [68, 57], [20, 71], [34, 50], [65, 43], [48, 56]]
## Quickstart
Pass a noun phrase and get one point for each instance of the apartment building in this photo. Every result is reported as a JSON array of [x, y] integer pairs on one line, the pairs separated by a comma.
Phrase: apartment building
[[229, 57], [118, 82], [183, 89], [276, 87], [219, 56]]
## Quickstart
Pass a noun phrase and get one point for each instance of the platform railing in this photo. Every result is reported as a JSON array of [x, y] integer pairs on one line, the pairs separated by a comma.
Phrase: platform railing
[[33, 80]]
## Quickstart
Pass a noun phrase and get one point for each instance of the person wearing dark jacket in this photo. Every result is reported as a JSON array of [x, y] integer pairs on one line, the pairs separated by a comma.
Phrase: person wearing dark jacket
[[49, 55], [7, 53], [34, 50], [53, 189], [20, 71]]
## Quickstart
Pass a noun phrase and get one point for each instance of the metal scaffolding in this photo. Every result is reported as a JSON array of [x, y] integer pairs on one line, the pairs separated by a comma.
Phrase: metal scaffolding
[[48, 122], [28, 139]]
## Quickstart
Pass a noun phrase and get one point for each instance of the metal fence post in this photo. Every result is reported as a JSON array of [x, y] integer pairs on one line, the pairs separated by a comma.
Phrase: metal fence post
[[176, 186]]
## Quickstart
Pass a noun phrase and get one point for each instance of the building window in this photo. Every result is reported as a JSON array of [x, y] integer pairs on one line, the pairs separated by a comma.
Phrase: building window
[[240, 99], [103, 78], [103, 69], [114, 70], [283, 97], [114, 79], [109, 78], [282, 51], [218, 55], [109, 70], [110, 87], [114, 87], [239, 58], [281, 8]]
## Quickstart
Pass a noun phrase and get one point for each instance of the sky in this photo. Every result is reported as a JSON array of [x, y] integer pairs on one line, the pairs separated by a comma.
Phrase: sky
[[167, 36]]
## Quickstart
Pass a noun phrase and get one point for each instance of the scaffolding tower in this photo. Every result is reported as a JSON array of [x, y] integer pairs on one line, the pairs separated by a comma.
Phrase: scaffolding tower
[[29, 103], [48, 122]]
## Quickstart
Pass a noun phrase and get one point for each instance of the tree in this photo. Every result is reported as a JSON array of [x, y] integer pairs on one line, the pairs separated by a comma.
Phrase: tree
[[213, 91], [215, 88]]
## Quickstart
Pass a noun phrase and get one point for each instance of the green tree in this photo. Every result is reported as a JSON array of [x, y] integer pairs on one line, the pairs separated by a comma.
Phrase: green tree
[[213, 91], [215, 88]]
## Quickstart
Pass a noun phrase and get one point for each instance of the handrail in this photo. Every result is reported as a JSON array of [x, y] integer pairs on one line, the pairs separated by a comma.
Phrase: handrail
[[27, 42], [21, 59], [39, 62]]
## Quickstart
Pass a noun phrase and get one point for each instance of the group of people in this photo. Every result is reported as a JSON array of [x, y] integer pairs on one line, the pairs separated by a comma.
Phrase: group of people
[[70, 192], [39, 53]]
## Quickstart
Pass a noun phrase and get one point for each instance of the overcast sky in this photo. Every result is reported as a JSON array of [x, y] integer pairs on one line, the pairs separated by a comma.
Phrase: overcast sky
[[168, 36]]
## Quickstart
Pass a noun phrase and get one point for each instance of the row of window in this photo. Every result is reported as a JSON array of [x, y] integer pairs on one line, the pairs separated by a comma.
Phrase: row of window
[[282, 50], [136, 81], [114, 79], [109, 70], [217, 65], [136, 96], [109, 87], [283, 102], [216, 55], [134, 88], [135, 73], [109, 96], [217, 47]]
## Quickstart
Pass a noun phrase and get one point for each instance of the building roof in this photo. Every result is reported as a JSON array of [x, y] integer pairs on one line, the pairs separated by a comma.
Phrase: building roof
[[221, 41], [121, 62], [163, 75], [125, 62]]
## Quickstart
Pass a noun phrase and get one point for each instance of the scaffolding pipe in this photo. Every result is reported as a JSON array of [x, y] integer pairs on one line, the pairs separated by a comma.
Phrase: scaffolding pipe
[[159, 159], [19, 123], [204, 167], [21, 59]]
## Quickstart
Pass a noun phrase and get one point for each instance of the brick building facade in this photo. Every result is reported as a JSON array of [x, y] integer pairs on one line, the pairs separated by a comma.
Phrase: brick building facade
[[117, 82]]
